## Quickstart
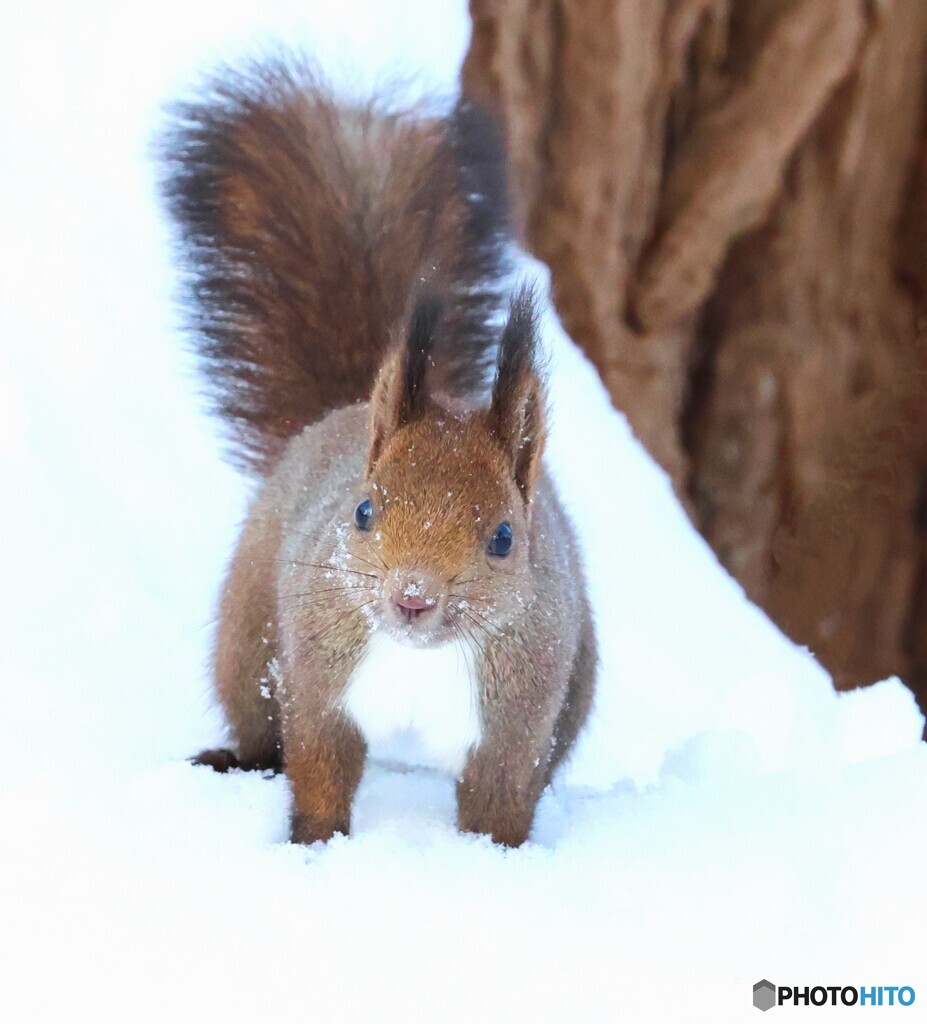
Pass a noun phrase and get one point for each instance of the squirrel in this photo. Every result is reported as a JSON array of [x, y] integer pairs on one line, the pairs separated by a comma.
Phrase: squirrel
[[406, 564]]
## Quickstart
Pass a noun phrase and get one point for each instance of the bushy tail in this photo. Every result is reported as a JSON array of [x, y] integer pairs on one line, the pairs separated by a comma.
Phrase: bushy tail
[[305, 227]]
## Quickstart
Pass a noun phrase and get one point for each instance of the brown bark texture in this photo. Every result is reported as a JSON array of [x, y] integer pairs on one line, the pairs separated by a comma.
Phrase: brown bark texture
[[732, 198]]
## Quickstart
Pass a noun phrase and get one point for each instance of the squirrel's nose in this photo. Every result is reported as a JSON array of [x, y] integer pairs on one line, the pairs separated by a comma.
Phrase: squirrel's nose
[[410, 606], [412, 596]]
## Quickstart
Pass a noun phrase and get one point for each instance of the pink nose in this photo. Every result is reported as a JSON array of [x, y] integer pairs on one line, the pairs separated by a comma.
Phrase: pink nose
[[411, 606]]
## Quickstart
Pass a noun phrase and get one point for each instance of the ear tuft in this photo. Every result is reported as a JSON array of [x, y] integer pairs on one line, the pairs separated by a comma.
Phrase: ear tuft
[[419, 344], [400, 394], [517, 414]]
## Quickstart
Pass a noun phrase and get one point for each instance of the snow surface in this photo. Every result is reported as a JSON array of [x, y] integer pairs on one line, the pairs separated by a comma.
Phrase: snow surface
[[727, 817]]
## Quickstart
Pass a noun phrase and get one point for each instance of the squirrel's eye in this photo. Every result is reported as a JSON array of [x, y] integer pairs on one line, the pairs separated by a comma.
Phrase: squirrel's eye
[[500, 544], [363, 514]]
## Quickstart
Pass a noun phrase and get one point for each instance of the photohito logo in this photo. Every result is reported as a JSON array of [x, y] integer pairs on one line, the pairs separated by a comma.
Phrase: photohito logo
[[766, 995]]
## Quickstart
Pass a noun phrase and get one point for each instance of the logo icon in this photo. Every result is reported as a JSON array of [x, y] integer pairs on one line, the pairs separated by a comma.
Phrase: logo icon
[[764, 995]]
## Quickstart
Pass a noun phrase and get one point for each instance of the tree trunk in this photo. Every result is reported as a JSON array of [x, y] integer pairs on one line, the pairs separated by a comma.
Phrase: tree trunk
[[732, 198]]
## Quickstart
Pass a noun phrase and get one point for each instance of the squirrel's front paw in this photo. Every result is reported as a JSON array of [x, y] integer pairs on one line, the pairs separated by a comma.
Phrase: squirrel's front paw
[[220, 760], [305, 830], [505, 825], [511, 834], [223, 760]]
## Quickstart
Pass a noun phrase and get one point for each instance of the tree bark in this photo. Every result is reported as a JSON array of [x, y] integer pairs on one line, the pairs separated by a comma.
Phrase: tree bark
[[732, 198]]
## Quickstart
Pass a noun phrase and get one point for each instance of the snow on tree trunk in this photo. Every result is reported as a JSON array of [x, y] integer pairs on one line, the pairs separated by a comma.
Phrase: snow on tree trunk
[[732, 197]]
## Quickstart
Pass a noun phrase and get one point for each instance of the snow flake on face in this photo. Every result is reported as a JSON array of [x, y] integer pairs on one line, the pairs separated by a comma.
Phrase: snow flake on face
[[341, 556]]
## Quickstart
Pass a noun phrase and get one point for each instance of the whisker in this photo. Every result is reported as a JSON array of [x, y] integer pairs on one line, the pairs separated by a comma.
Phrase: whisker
[[296, 612], [490, 629], [305, 606], [473, 611], [475, 646], [365, 562], [478, 649], [489, 578], [340, 568], [331, 628], [474, 683], [461, 611], [351, 588], [461, 583], [317, 565], [376, 555]]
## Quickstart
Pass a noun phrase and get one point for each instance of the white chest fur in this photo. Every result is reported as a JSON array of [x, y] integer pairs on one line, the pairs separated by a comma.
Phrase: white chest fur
[[416, 705]]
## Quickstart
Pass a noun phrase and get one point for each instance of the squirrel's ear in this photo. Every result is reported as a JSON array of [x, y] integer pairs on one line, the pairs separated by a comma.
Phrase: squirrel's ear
[[399, 395], [517, 415]]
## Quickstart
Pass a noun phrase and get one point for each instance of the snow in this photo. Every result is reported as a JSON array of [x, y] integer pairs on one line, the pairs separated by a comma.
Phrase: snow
[[727, 818]]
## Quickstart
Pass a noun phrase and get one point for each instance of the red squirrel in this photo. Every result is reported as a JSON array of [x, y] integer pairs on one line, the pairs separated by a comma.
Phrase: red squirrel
[[406, 565]]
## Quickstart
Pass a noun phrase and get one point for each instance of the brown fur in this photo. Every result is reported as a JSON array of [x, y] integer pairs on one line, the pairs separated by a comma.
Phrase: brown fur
[[306, 224], [307, 586]]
